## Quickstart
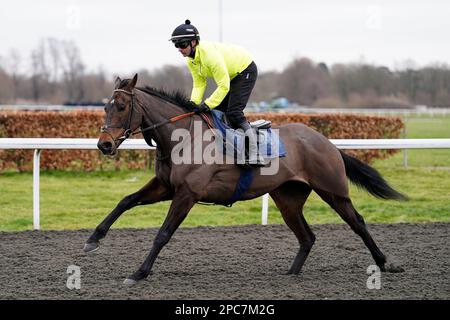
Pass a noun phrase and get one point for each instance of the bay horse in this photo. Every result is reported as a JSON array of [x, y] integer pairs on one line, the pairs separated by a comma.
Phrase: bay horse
[[312, 163]]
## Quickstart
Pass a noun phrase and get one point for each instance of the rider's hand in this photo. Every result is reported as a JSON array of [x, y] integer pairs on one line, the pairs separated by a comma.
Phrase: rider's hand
[[201, 108], [192, 105]]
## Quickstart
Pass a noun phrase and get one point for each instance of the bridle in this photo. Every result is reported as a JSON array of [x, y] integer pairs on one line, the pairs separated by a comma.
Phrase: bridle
[[127, 127], [128, 132]]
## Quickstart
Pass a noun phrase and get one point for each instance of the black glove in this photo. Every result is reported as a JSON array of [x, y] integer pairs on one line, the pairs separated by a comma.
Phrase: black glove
[[192, 105], [201, 108]]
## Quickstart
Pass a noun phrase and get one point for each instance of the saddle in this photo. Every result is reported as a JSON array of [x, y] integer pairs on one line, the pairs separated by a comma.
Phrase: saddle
[[258, 124], [270, 145]]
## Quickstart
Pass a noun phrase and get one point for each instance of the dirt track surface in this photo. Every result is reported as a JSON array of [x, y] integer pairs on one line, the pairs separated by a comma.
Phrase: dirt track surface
[[244, 262]]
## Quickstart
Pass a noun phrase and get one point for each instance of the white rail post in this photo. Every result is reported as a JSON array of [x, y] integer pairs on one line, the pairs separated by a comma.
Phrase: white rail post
[[405, 158], [36, 169], [265, 209], [405, 151]]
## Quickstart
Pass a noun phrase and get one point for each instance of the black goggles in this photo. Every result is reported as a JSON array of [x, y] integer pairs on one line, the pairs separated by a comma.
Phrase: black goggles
[[182, 44]]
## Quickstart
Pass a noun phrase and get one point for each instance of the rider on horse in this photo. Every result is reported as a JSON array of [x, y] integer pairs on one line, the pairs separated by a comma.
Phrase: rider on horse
[[234, 72]]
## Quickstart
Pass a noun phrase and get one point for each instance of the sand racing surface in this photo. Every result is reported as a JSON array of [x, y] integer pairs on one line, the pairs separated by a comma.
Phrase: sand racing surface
[[239, 262]]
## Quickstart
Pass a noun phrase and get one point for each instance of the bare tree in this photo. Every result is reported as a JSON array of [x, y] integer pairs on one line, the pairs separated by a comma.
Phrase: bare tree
[[304, 82], [35, 76], [5, 85], [266, 87], [73, 70], [95, 86], [14, 63], [57, 74], [168, 77], [54, 53]]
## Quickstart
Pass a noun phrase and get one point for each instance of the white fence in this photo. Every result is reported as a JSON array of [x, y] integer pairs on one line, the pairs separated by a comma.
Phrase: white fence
[[425, 111], [418, 110], [38, 144]]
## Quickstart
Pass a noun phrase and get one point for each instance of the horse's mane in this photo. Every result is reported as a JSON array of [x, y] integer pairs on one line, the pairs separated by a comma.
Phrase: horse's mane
[[175, 97]]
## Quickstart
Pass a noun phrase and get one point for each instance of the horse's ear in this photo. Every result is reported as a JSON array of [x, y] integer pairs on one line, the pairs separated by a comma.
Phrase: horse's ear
[[117, 83], [133, 81]]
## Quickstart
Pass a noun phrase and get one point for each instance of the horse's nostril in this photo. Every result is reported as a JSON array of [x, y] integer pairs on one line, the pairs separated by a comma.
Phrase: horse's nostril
[[105, 146]]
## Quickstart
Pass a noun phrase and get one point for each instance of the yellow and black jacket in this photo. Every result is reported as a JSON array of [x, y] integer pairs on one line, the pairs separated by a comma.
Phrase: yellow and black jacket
[[219, 61]]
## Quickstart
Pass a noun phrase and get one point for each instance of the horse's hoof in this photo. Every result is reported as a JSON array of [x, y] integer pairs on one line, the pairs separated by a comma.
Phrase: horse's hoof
[[394, 269], [90, 247], [135, 278], [293, 272], [129, 282]]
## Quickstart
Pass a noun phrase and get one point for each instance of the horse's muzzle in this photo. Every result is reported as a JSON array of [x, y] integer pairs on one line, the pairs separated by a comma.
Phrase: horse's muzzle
[[106, 147]]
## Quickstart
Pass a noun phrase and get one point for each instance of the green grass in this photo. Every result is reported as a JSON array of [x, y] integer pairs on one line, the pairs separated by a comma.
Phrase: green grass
[[424, 128], [71, 200]]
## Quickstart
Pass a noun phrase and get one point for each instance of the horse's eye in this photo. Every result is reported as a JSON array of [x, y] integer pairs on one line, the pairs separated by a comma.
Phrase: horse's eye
[[121, 106]]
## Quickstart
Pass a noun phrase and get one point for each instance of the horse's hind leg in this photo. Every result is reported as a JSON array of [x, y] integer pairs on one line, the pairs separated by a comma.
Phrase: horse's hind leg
[[152, 192], [290, 198], [344, 207]]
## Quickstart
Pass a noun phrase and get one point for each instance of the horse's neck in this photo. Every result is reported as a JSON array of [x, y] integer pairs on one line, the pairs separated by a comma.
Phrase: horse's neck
[[157, 111]]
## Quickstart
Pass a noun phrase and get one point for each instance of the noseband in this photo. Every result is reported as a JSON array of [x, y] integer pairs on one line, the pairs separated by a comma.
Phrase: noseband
[[128, 131]]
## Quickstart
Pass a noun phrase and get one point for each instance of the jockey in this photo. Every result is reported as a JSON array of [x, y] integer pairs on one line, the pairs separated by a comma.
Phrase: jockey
[[234, 72]]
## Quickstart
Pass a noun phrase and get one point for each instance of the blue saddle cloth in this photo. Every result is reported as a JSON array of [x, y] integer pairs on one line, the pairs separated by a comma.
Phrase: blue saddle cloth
[[270, 145]]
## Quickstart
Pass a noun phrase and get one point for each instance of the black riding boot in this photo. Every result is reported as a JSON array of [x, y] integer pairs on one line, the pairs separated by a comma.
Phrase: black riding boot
[[253, 158]]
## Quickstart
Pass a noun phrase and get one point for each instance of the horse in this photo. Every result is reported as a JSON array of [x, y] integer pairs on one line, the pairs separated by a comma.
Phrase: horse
[[312, 163]]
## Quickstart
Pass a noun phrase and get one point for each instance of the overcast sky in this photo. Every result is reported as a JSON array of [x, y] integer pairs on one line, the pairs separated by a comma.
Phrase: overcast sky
[[125, 36]]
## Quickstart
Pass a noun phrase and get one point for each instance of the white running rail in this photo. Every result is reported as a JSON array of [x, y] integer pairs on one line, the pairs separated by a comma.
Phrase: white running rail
[[38, 144]]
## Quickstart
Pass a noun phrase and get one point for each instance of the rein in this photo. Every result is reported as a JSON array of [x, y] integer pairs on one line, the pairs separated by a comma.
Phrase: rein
[[128, 132], [171, 120]]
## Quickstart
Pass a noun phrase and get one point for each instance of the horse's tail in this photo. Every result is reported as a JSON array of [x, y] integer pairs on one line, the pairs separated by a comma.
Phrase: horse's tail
[[364, 176]]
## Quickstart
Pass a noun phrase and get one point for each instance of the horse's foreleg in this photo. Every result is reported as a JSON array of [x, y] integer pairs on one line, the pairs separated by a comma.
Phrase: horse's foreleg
[[152, 192], [182, 203]]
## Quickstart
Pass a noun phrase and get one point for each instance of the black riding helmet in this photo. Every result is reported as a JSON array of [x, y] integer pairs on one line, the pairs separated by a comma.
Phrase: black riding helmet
[[184, 32]]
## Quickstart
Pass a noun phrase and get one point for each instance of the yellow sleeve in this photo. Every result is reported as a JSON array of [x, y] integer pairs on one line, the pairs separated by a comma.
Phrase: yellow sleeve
[[216, 64], [198, 85]]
